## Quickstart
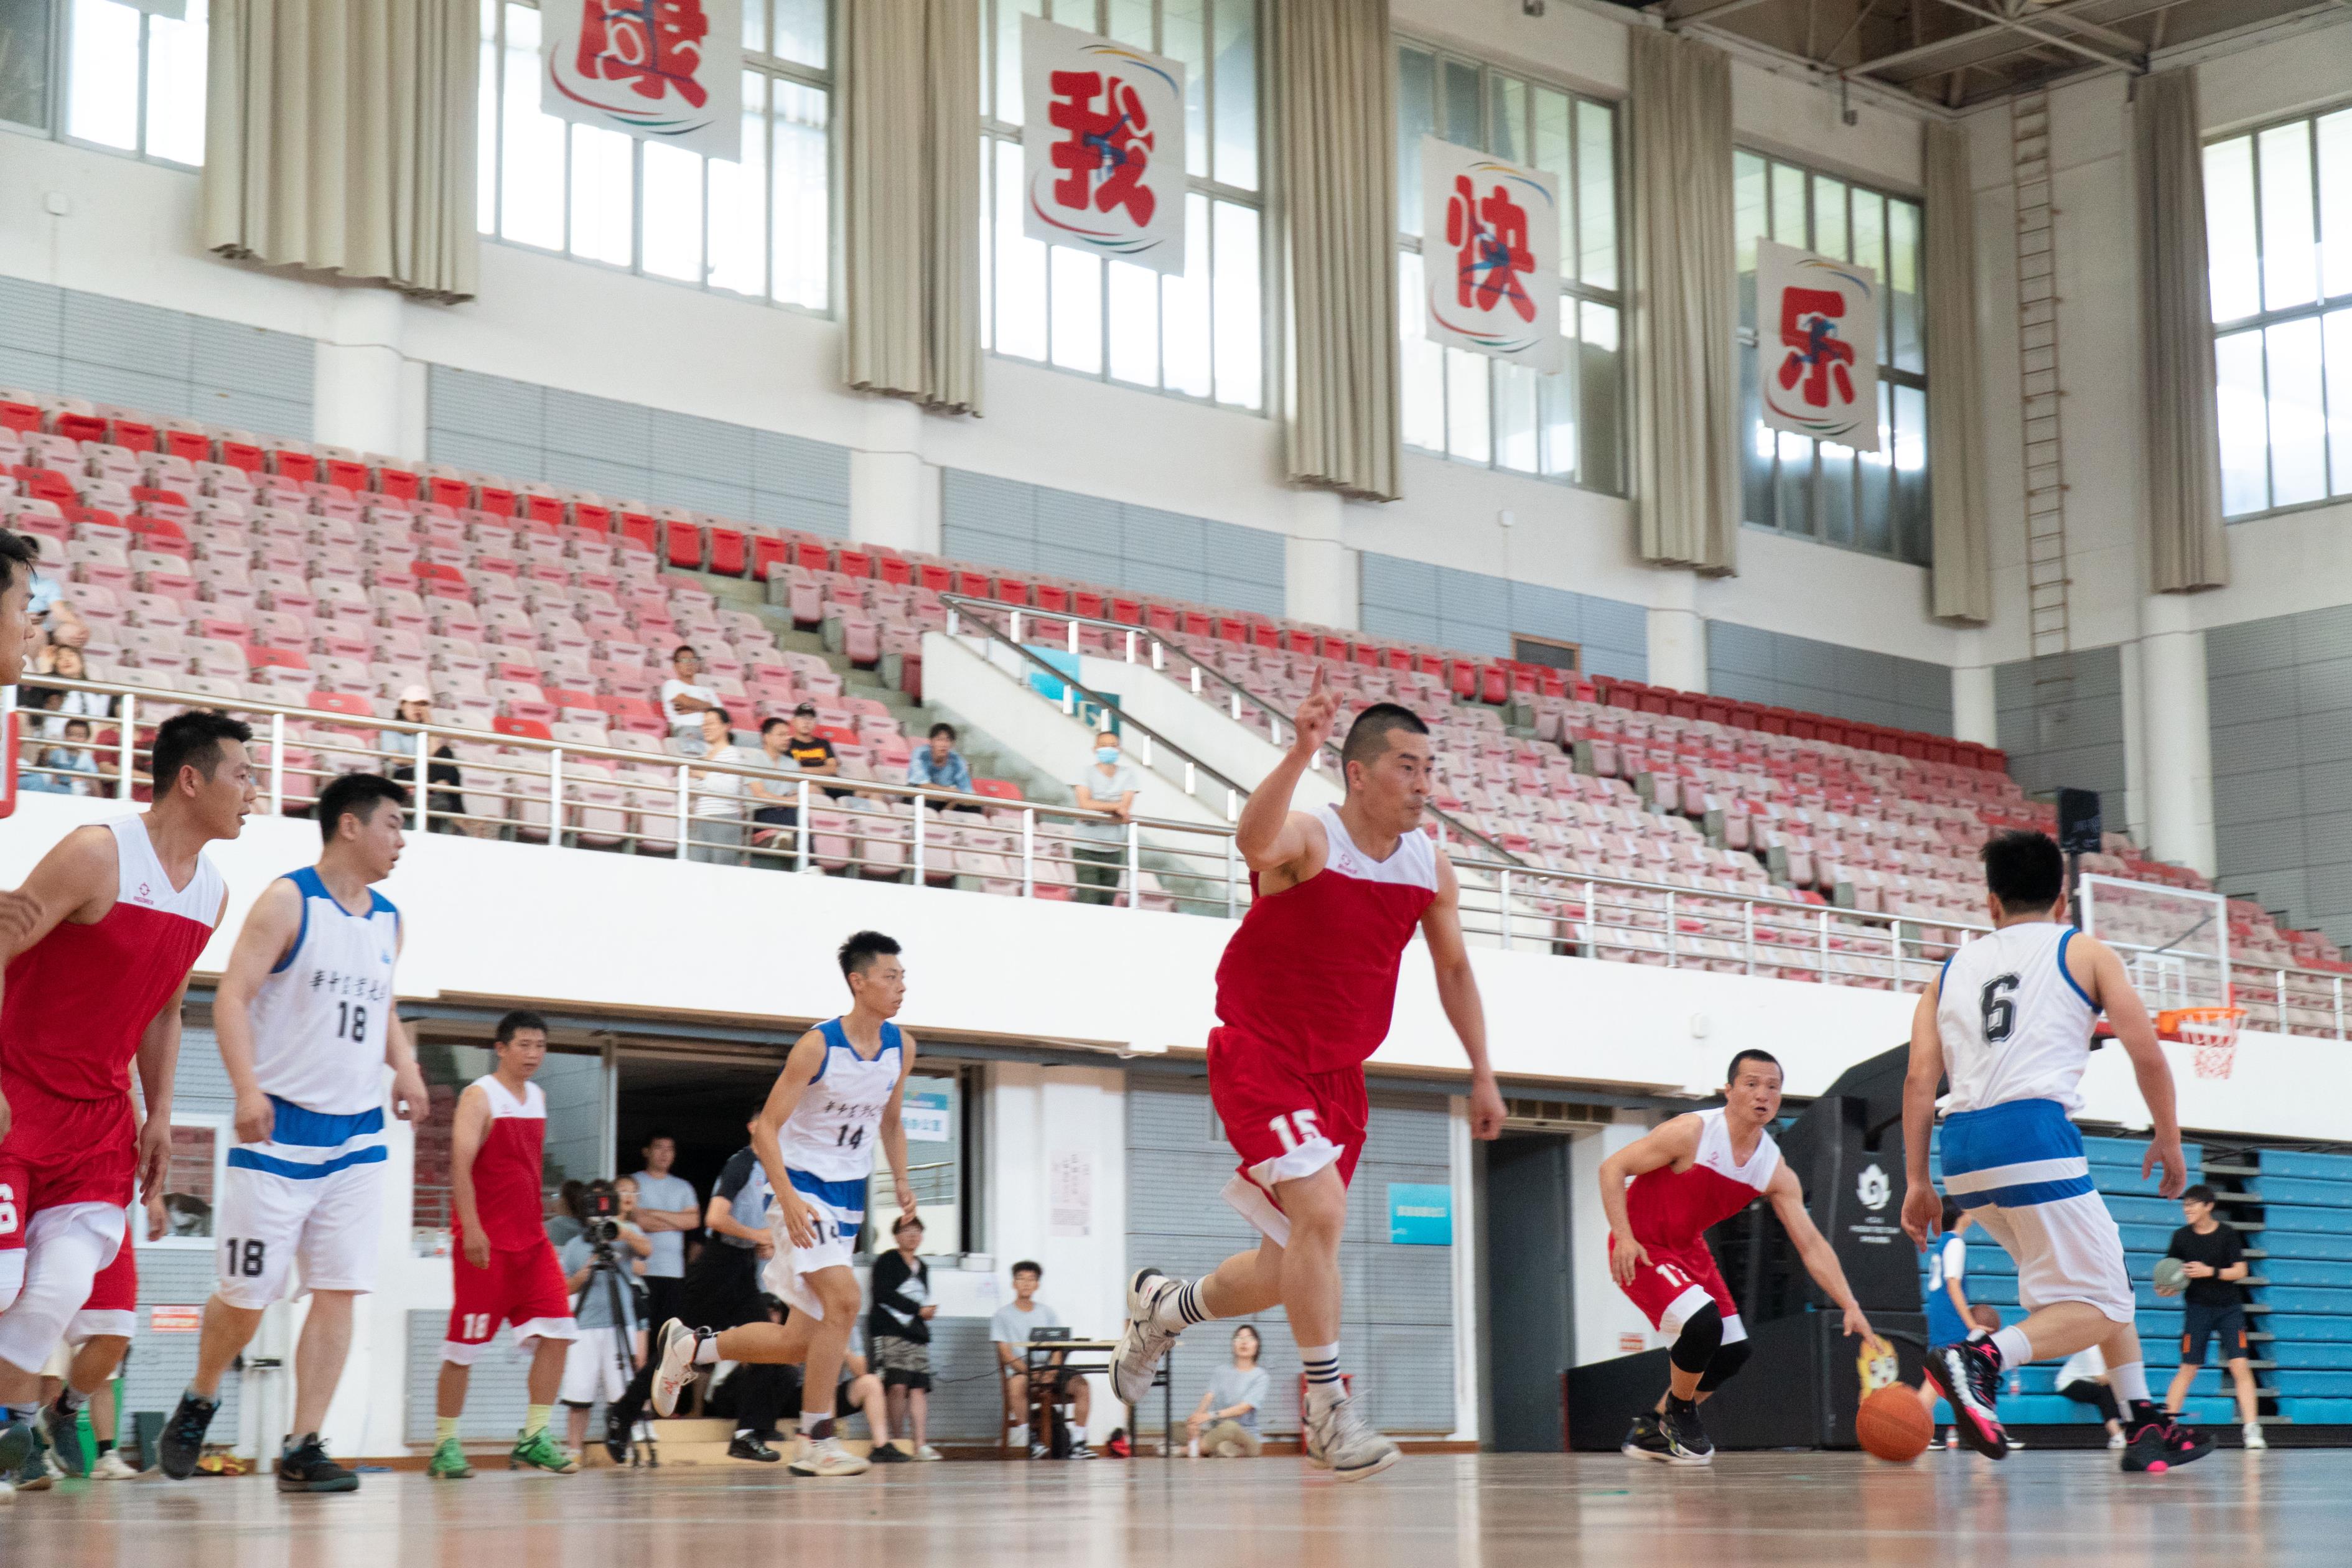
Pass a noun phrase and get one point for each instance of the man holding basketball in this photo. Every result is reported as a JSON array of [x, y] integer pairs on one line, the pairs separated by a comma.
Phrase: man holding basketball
[[2010, 1021]]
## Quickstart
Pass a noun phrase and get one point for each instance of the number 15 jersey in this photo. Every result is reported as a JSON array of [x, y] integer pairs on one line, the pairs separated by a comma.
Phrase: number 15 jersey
[[318, 1020], [830, 1133], [2013, 1023]]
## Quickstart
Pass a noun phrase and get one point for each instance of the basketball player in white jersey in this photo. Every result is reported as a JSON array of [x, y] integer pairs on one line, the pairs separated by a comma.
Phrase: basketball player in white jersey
[[2008, 1022], [838, 1097], [307, 1028]]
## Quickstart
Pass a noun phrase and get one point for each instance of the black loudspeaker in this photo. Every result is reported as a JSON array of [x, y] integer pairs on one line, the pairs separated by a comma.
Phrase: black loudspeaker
[[2080, 831]]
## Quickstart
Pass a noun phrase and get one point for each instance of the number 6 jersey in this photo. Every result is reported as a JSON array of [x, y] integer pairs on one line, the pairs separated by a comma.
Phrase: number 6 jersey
[[830, 1133], [2014, 1024], [319, 1019]]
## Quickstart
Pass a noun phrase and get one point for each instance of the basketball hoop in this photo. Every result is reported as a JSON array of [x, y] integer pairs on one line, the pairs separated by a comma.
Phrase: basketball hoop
[[2211, 1032]]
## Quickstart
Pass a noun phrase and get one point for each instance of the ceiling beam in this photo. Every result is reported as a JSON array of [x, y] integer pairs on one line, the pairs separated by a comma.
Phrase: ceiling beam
[[2133, 61], [1982, 46], [1714, 12]]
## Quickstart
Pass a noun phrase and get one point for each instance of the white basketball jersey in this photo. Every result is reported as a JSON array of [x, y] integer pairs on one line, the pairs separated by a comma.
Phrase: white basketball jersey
[[830, 1134], [2014, 1024], [318, 1020]]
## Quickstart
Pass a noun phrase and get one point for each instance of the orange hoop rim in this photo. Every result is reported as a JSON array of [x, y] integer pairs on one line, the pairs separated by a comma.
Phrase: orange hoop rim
[[2221, 1021]]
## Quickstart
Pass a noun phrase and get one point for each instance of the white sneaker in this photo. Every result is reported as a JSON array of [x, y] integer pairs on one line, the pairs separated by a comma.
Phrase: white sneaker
[[1338, 1441], [673, 1368], [928, 1454], [113, 1467], [8, 1493], [2252, 1433], [827, 1457], [1018, 1438], [2116, 1440], [1141, 1341]]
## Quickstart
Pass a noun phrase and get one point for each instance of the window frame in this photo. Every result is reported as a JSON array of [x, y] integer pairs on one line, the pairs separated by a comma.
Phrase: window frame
[[1746, 340], [1574, 291], [2261, 320], [996, 133], [59, 93], [774, 67]]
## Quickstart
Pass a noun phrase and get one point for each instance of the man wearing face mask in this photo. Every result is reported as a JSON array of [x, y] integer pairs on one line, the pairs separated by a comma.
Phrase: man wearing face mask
[[1109, 787]]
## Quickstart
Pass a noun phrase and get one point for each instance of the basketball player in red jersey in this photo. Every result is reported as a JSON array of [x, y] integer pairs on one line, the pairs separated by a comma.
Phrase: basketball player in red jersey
[[1662, 1194], [122, 909], [1305, 992]]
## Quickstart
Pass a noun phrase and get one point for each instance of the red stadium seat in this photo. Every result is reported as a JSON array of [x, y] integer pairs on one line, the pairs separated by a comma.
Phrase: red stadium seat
[[853, 562], [682, 545], [638, 529], [730, 550], [769, 550]]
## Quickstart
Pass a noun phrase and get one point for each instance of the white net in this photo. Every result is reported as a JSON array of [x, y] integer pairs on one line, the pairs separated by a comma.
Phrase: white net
[[2175, 942]]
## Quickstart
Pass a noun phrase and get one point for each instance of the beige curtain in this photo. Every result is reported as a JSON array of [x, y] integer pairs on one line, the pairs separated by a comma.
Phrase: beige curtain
[[2187, 547], [1334, 97], [1685, 322], [338, 137], [910, 200], [1962, 570]]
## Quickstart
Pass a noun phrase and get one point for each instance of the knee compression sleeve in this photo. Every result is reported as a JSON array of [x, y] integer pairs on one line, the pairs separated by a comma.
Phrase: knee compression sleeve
[[1727, 1361], [64, 1249], [1700, 1340]]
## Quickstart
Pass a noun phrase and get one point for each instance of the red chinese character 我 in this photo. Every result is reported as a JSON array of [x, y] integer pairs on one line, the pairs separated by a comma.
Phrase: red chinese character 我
[[1816, 353], [1114, 141], [1490, 248], [655, 45]]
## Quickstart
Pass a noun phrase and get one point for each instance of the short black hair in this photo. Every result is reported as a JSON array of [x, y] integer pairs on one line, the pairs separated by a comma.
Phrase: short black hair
[[72, 724], [904, 1220], [724, 717], [1029, 1265], [1952, 1211], [942, 728], [1731, 1073], [772, 722], [193, 739], [682, 647], [1368, 737], [354, 795], [515, 1023], [2024, 869], [17, 550], [863, 948], [2199, 1194], [656, 1135]]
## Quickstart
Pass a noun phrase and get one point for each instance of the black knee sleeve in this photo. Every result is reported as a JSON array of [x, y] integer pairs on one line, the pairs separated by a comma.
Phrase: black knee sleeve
[[1701, 1339], [1727, 1361]]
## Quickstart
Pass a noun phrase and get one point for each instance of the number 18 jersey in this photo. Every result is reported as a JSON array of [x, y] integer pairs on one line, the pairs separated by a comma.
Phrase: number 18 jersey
[[2013, 1023], [830, 1133], [319, 1019]]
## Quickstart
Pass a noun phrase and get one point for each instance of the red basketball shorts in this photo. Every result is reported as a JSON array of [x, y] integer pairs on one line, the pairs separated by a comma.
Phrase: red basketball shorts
[[59, 1152], [522, 1286], [1284, 1124], [1676, 1282]]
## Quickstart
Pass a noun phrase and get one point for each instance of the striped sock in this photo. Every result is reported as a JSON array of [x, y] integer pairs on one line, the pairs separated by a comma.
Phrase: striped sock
[[1321, 1365], [27, 1413], [1182, 1308]]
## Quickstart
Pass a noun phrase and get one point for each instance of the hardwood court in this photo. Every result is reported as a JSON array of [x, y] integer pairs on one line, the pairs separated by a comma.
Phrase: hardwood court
[[1817, 1510]]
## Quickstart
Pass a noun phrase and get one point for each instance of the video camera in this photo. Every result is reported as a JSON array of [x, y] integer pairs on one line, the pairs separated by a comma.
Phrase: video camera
[[601, 1216]]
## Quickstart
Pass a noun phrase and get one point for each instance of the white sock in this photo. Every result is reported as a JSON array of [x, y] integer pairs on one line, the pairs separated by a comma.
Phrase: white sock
[[2129, 1384], [2015, 1349], [1182, 1308], [1321, 1365], [706, 1351]]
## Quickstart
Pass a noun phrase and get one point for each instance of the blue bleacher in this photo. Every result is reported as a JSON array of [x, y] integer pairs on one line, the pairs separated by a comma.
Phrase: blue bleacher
[[2300, 1163], [2317, 1412], [2309, 1244]]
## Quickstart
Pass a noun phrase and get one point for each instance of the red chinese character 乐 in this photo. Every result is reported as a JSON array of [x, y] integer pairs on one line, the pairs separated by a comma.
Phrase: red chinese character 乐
[[1816, 353], [1490, 248], [655, 45], [1113, 142]]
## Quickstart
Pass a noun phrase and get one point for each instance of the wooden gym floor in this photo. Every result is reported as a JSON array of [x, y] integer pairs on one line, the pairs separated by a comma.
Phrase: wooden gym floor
[[1541, 1511]]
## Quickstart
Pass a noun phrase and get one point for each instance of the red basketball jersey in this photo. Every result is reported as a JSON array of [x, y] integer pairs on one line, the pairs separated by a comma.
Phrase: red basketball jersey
[[1668, 1207], [507, 1169], [1313, 969], [79, 1000]]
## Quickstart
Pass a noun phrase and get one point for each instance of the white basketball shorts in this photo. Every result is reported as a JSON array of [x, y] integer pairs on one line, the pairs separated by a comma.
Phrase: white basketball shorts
[[839, 1209], [269, 1221]]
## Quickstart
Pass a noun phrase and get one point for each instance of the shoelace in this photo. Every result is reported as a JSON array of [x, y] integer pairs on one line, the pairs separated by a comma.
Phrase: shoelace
[[193, 1423]]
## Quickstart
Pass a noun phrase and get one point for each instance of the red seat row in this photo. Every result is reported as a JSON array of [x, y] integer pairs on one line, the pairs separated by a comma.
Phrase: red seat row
[[1917, 745]]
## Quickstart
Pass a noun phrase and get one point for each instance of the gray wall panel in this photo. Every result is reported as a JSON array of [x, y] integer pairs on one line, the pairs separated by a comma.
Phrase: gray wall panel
[[1143, 549], [1747, 664], [1476, 613], [2076, 743], [2279, 697], [167, 364]]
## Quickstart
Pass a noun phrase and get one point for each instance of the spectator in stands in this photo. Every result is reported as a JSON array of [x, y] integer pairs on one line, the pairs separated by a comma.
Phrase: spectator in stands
[[811, 752], [899, 1327], [1225, 1425], [779, 812], [75, 756], [445, 804], [2214, 1305], [667, 1213], [684, 700], [1110, 787], [55, 620], [939, 765], [717, 828], [66, 662], [1014, 1326], [592, 1367]]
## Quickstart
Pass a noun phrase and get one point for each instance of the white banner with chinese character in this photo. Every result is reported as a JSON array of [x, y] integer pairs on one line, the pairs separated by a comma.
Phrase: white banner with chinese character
[[1103, 149], [1817, 345], [1490, 255], [661, 70]]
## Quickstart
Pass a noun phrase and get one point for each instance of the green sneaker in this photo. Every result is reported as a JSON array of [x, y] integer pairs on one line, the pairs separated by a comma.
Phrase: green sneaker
[[448, 1462], [537, 1451]]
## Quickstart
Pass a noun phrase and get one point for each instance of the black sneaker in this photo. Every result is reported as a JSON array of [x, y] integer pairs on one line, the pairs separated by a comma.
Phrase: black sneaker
[[65, 1438], [305, 1467], [1686, 1440], [182, 1442], [620, 1426], [1969, 1375], [2155, 1441], [747, 1445], [890, 1453], [1645, 1439]]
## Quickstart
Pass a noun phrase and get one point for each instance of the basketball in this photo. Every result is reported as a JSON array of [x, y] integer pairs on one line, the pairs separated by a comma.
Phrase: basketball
[[1893, 1426], [2171, 1277]]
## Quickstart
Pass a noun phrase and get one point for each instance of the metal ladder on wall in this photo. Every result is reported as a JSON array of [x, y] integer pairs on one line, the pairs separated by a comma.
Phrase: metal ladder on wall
[[2038, 397]]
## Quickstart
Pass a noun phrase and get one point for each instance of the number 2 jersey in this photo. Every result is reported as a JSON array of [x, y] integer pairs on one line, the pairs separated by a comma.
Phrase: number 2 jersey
[[319, 1018], [2013, 1023]]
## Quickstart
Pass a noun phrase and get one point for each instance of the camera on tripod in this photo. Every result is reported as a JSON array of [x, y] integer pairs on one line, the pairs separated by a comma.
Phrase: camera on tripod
[[600, 1215]]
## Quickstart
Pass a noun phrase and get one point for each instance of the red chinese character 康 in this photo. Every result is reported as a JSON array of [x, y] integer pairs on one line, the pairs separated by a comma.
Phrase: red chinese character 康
[[1115, 141], [655, 45], [1491, 250], [1816, 353]]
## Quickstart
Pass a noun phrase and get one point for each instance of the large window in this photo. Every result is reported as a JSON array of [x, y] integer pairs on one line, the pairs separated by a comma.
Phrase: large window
[[1568, 425], [1202, 334], [759, 226], [1878, 501], [2278, 237], [133, 82]]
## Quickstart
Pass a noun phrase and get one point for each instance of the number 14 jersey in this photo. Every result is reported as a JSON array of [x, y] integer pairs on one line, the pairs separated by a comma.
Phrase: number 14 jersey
[[319, 1019], [2013, 1023], [830, 1133]]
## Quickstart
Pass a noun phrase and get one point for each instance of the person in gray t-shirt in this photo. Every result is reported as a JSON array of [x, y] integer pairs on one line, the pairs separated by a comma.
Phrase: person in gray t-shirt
[[669, 1212], [1225, 1425], [1110, 787], [1012, 1328]]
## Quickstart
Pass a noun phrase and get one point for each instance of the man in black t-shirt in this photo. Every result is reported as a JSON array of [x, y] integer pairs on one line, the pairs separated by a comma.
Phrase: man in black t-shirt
[[2214, 1305]]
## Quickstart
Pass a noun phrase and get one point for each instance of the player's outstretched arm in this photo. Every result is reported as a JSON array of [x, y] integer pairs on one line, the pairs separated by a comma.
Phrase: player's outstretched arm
[[1457, 992], [893, 1130], [1677, 1140], [2110, 987], [467, 1131], [1268, 835], [801, 1068], [1921, 1207], [271, 927], [1820, 1258]]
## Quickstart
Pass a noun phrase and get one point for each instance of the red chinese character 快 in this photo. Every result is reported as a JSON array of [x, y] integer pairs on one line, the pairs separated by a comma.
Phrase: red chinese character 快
[[1816, 353], [655, 45], [1490, 248], [1114, 141]]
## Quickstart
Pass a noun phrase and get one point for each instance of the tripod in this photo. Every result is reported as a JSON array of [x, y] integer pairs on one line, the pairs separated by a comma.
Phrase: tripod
[[604, 1268]]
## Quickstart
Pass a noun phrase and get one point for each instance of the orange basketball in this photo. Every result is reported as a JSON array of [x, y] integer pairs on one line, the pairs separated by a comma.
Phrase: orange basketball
[[1893, 1426]]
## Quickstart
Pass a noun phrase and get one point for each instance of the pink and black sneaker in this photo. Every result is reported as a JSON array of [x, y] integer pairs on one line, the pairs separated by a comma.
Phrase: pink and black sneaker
[[1969, 1374], [2156, 1442]]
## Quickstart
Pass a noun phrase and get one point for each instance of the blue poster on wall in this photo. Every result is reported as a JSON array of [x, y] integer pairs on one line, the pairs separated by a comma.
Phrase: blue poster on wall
[[1420, 1214]]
